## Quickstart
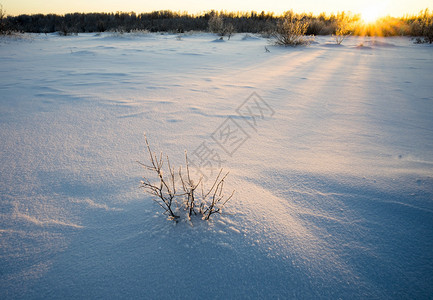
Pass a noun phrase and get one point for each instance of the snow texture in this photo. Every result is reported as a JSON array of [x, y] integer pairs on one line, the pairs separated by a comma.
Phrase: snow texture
[[333, 176]]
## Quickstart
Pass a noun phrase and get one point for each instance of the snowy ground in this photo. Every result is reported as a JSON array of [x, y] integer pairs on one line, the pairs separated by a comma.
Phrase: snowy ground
[[334, 180]]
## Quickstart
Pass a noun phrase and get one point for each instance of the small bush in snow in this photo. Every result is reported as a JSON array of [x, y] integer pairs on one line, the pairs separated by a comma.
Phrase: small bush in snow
[[291, 31], [342, 31], [216, 25], [426, 22], [178, 192], [229, 29], [66, 30]]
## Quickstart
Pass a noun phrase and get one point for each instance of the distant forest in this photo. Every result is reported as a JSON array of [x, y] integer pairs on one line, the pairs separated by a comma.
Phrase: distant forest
[[175, 22]]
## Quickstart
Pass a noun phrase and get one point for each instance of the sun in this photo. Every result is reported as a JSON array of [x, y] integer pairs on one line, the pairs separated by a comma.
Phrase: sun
[[370, 14]]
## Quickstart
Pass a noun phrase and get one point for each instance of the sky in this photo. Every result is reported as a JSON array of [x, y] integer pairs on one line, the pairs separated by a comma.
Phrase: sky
[[381, 7]]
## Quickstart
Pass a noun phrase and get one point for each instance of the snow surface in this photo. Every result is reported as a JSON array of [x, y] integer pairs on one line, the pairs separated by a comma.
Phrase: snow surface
[[334, 189]]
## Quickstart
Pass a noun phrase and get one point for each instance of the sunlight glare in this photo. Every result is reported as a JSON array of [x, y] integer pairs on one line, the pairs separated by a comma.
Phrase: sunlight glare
[[370, 14]]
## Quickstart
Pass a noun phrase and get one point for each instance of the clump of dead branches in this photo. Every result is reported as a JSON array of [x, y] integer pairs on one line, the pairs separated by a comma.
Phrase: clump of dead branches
[[178, 193]]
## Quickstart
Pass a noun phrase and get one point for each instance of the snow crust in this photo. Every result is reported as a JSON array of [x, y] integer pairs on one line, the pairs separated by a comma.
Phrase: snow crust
[[334, 189]]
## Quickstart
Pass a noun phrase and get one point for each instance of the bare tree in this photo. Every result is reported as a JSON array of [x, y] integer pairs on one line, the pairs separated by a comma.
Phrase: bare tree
[[216, 25], [228, 30]]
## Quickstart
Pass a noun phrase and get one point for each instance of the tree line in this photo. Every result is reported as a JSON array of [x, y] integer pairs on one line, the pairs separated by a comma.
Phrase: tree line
[[253, 22]]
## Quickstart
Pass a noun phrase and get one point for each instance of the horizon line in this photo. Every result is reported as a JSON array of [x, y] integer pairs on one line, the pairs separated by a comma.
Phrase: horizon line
[[204, 12]]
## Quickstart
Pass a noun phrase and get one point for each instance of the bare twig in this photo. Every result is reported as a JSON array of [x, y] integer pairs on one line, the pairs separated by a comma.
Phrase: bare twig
[[189, 188], [217, 199], [163, 191]]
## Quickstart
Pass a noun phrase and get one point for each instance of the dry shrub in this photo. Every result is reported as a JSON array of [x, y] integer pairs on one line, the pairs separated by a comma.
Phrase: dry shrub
[[343, 27], [177, 192], [291, 31], [218, 26]]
